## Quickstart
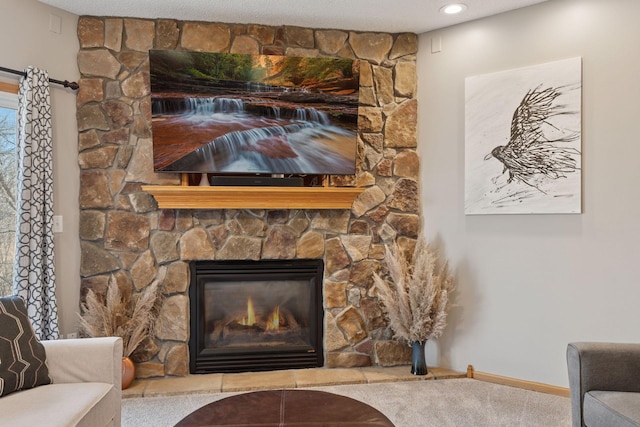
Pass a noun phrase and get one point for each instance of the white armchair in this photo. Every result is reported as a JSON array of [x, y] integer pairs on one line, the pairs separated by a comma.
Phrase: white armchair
[[86, 387]]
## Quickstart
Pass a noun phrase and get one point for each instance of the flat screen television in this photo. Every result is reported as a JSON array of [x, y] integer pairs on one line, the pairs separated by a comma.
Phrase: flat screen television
[[232, 114]]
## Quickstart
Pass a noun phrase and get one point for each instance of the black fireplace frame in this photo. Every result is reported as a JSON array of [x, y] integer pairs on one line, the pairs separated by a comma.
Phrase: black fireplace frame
[[204, 360]]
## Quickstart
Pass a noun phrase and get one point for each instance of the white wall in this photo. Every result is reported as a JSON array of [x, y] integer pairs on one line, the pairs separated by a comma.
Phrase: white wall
[[25, 40], [529, 284]]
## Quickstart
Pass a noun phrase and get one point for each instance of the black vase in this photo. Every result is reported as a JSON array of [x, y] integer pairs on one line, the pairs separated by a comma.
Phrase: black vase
[[418, 360]]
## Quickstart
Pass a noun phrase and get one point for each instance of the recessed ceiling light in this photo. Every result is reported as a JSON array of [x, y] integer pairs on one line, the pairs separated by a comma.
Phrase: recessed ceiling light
[[452, 9]]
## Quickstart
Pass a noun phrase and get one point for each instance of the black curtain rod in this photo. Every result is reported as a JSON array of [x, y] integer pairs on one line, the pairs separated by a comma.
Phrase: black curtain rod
[[66, 83]]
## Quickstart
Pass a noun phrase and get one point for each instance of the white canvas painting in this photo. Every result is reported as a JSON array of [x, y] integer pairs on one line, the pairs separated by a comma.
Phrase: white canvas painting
[[523, 140]]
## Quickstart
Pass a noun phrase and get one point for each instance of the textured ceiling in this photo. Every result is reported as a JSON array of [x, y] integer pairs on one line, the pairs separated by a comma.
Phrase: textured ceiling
[[393, 16]]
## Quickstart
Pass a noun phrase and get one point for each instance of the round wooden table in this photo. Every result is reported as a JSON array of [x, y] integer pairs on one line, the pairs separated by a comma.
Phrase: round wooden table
[[286, 408]]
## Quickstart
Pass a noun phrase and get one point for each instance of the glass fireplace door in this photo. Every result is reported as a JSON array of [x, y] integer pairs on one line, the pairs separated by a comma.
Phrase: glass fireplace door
[[256, 315]]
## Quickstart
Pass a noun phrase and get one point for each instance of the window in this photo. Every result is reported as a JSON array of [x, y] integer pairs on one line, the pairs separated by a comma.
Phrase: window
[[8, 186]]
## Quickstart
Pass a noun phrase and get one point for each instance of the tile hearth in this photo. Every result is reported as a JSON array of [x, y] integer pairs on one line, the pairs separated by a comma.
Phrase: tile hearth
[[292, 378]]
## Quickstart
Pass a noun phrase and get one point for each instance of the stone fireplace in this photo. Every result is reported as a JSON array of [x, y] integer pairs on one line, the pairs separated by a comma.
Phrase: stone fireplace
[[255, 315], [126, 239]]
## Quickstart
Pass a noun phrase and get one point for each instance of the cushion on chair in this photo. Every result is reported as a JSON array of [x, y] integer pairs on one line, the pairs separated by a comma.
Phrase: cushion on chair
[[22, 356], [62, 405], [611, 409]]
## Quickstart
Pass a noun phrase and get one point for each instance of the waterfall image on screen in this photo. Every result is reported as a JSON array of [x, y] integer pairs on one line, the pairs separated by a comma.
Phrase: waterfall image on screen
[[237, 114]]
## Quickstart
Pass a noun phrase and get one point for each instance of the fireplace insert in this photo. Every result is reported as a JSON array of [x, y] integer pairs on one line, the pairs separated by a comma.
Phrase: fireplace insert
[[255, 315]]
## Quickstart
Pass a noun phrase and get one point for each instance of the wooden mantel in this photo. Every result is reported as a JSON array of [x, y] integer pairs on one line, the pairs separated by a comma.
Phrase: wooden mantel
[[255, 197]]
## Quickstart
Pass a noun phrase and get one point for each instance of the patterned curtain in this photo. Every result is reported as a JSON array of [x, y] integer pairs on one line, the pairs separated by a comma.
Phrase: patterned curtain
[[33, 269]]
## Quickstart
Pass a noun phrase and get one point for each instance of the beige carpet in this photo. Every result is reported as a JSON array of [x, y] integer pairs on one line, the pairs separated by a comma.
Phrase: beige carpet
[[441, 403]]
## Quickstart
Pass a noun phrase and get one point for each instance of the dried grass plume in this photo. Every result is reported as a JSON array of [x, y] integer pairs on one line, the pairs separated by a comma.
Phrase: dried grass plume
[[416, 292], [130, 316]]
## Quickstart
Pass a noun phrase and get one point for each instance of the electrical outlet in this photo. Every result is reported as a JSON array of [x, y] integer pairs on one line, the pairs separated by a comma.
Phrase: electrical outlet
[[72, 335], [55, 24], [57, 224], [436, 44]]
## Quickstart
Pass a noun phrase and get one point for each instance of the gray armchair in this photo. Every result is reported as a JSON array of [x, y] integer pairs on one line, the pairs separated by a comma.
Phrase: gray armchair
[[604, 381]]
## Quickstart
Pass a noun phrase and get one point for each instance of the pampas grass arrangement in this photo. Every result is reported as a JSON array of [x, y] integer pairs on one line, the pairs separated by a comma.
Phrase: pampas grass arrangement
[[416, 293], [130, 316]]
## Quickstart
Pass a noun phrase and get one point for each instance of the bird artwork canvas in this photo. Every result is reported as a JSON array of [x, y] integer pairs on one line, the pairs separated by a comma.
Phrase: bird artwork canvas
[[523, 140]]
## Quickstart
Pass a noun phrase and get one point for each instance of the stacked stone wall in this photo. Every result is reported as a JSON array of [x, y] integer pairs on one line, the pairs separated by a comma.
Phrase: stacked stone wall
[[126, 239]]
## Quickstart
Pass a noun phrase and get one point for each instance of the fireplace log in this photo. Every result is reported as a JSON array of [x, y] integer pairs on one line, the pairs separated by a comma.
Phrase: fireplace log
[[290, 319]]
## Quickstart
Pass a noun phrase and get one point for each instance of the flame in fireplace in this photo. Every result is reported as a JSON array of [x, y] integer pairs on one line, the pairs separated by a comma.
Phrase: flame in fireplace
[[273, 322], [250, 320]]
